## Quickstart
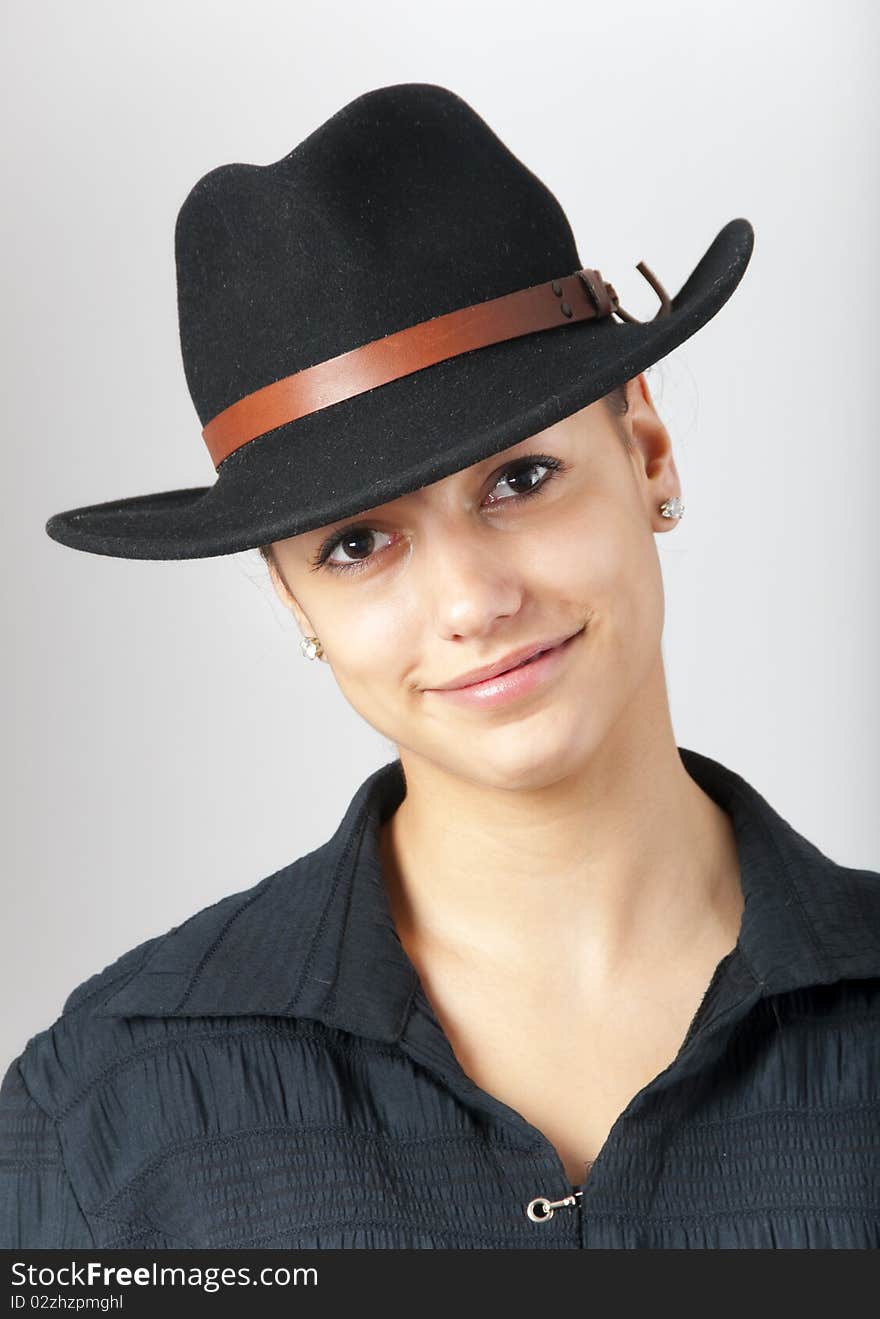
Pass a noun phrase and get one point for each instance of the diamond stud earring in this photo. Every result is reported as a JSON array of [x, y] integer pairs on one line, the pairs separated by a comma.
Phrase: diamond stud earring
[[672, 508], [311, 647]]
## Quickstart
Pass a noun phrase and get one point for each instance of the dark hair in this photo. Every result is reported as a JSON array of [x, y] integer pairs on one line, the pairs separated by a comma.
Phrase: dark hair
[[617, 403]]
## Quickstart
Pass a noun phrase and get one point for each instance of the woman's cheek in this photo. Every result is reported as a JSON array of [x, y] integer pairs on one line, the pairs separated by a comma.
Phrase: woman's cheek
[[369, 648]]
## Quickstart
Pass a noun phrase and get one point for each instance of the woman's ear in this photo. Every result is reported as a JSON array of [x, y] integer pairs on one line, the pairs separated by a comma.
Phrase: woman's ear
[[658, 476]]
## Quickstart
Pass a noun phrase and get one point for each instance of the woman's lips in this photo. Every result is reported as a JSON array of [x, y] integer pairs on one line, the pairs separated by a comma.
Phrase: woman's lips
[[511, 684]]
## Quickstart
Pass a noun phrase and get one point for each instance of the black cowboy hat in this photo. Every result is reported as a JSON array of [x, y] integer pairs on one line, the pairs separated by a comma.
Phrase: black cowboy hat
[[397, 298]]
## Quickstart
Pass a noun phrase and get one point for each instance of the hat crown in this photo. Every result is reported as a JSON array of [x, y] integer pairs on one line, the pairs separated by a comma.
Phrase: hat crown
[[402, 206]]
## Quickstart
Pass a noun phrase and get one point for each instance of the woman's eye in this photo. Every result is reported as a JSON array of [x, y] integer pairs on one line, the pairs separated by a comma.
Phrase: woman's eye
[[519, 479], [355, 546]]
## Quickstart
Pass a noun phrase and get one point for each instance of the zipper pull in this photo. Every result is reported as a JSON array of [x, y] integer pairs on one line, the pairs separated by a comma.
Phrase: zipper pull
[[540, 1209]]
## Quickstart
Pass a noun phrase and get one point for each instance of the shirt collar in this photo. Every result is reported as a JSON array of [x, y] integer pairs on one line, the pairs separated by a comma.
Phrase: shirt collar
[[317, 940]]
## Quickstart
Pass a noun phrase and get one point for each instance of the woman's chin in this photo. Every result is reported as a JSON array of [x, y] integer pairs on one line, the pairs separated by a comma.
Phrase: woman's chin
[[532, 754]]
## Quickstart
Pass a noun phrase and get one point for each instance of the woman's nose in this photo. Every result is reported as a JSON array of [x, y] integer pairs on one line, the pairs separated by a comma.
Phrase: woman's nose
[[471, 585]]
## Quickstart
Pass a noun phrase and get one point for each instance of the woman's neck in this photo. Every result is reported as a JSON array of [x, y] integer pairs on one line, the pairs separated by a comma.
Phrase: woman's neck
[[615, 867]]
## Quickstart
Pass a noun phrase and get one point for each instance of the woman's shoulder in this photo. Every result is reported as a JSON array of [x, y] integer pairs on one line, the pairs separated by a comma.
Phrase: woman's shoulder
[[195, 935], [124, 1007]]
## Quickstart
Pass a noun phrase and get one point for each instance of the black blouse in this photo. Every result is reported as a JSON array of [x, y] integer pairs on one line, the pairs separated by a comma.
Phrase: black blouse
[[271, 1074]]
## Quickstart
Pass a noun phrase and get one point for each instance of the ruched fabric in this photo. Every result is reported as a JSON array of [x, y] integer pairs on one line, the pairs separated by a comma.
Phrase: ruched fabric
[[271, 1074]]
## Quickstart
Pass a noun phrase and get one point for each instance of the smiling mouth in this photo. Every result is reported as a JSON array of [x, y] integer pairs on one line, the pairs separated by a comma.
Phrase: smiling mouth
[[500, 673]]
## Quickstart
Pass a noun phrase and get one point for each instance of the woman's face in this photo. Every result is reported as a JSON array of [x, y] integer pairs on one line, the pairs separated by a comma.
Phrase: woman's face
[[549, 539]]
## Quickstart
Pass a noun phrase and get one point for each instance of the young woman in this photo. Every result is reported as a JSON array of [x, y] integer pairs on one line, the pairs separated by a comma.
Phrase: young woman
[[554, 982]]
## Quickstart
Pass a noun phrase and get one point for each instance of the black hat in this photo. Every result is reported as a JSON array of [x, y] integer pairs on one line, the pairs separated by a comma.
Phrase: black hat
[[397, 298]]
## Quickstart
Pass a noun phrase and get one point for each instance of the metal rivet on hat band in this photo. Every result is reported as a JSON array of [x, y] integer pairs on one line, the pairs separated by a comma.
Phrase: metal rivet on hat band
[[586, 296]]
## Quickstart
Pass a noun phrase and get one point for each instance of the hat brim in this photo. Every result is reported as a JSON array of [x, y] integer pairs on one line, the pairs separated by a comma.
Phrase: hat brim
[[377, 446]]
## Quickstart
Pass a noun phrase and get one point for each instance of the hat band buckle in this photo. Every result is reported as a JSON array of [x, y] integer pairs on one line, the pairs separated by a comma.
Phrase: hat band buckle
[[665, 302]]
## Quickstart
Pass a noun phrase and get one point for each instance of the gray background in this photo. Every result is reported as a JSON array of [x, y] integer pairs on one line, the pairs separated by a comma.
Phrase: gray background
[[165, 743]]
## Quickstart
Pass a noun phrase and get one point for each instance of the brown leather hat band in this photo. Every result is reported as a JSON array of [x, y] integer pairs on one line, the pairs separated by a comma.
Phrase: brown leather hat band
[[578, 297]]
